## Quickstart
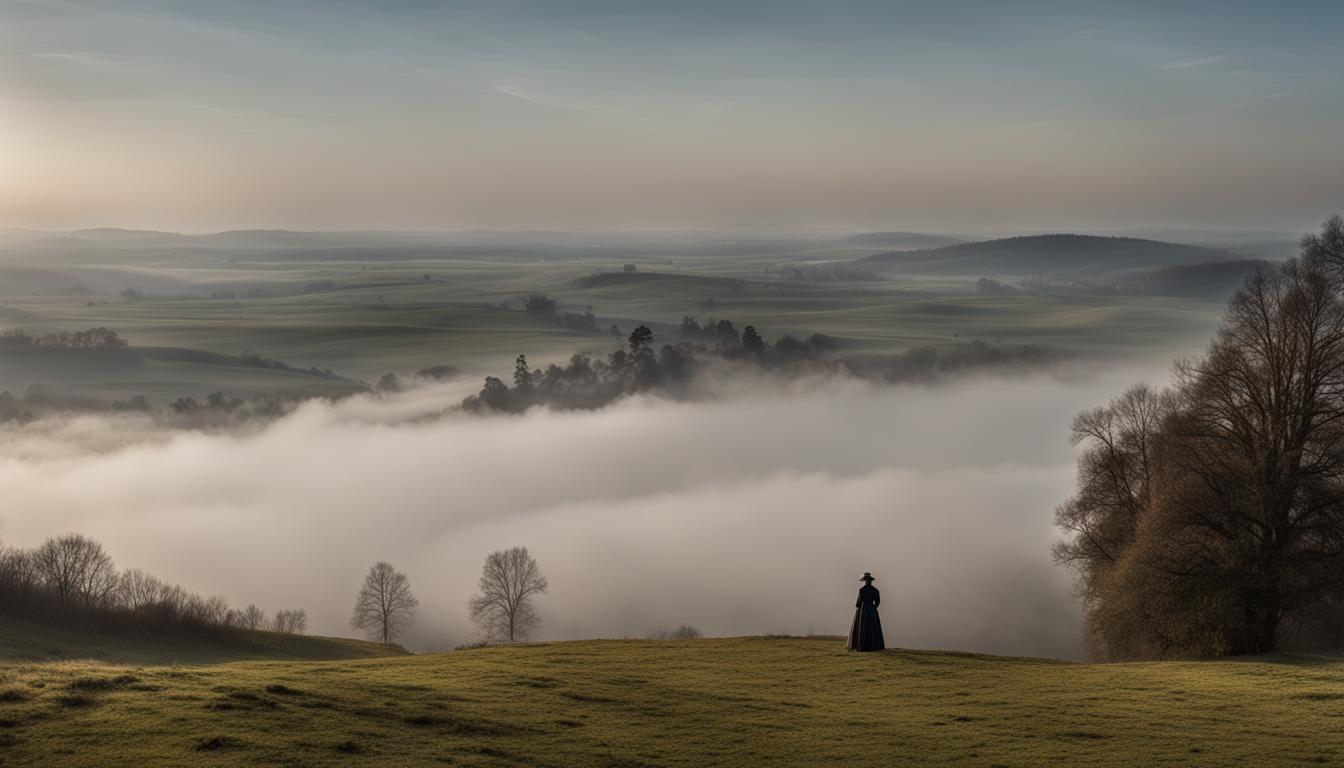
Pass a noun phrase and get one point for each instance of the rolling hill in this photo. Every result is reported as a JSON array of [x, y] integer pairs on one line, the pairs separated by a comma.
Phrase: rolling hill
[[899, 241], [772, 701], [26, 641], [1073, 255], [662, 281], [160, 373], [1213, 280]]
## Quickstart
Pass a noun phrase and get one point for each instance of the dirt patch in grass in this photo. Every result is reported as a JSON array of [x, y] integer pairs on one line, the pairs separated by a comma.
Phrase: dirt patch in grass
[[1322, 696], [100, 684], [225, 705], [216, 743], [536, 682], [349, 747], [460, 726], [588, 697]]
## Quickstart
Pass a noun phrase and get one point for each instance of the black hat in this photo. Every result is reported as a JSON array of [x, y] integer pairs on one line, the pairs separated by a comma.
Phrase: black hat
[[867, 577]]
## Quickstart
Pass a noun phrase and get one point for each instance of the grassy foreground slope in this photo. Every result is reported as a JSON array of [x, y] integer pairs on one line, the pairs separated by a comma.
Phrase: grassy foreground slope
[[27, 641], [743, 701]]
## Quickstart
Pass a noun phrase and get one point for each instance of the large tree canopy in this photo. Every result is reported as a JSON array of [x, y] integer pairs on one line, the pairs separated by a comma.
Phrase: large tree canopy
[[1209, 519]]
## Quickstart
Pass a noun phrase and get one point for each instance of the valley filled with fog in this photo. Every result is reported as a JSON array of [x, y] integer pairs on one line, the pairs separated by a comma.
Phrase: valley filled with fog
[[751, 510], [647, 385], [708, 431]]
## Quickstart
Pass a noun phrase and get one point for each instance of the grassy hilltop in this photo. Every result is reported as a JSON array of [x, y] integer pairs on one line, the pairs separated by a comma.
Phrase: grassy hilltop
[[29, 641], [741, 701]]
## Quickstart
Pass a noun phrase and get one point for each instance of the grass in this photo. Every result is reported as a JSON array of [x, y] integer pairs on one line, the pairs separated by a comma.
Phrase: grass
[[740, 701], [27, 641]]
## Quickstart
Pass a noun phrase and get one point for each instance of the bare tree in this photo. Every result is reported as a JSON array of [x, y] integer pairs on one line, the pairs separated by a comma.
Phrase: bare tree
[[74, 568], [18, 575], [1325, 251], [384, 607], [290, 622], [504, 609], [683, 632], [214, 610], [173, 603], [252, 617], [139, 590]]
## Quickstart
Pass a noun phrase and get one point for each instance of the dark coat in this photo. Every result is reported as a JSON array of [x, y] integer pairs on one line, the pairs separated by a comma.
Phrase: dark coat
[[866, 632]]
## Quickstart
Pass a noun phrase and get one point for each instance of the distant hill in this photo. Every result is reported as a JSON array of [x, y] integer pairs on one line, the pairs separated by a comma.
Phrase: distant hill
[[899, 241], [1214, 280], [1083, 255], [160, 373], [116, 233], [29, 641], [662, 280]]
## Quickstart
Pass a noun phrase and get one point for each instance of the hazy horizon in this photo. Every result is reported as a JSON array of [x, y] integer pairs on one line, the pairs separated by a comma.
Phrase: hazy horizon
[[855, 116]]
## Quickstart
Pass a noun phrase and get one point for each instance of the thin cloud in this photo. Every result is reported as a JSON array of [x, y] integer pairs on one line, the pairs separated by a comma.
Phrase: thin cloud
[[1193, 63]]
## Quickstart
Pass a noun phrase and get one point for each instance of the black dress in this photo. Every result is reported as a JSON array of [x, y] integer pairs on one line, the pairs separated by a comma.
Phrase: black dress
[[866, 633]]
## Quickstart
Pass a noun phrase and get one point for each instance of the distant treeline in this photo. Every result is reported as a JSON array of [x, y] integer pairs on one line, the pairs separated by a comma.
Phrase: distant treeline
[[588, 383], [93, 338], [214, 410], [71, 579], [254, 360], [1218, 280], [828, 272], [545, 306]]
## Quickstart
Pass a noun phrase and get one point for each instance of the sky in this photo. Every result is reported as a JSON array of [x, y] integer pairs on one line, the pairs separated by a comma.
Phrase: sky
[[947, 116]]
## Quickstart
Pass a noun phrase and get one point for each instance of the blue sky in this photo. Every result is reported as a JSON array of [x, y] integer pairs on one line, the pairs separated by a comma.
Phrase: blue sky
[[952, 116]]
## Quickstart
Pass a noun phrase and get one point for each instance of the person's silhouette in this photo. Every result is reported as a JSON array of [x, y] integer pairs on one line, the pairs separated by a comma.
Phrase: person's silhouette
[[866, 632]]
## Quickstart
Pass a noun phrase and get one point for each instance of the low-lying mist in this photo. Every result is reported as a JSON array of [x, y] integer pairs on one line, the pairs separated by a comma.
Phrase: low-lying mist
[[747, 514]]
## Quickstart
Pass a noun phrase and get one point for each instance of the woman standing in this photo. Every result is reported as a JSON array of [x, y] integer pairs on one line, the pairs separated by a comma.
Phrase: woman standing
[[866, 632]]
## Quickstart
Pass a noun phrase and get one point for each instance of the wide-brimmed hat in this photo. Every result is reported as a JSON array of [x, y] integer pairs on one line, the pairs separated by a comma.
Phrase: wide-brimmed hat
[[867, 577]]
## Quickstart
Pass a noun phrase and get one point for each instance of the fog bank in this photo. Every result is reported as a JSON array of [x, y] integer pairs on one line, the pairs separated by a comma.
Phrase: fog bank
[[745, 515]]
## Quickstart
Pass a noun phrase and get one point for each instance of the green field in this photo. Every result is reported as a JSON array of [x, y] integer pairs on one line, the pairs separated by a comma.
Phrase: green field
[[730, 702]]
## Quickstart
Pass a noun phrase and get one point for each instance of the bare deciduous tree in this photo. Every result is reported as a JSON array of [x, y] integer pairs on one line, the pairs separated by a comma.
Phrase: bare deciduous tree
[[252, 617], [213, 610], [72, 576], [290, 622], [504, 609], [683, 632], [139, 590], [384, 607], [1325, 251], [18, 575], [74, 568]]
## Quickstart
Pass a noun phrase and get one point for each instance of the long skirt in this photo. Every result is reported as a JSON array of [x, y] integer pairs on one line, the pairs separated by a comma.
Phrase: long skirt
[[866, 632]]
